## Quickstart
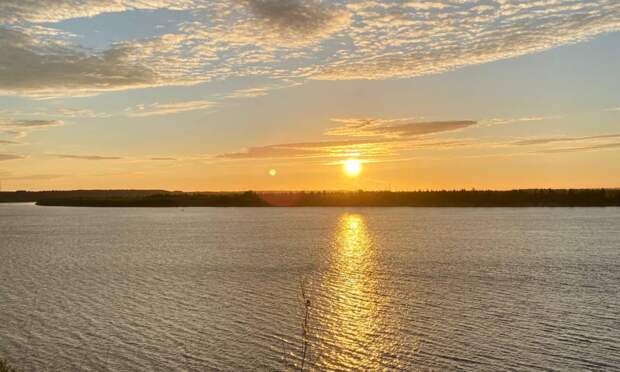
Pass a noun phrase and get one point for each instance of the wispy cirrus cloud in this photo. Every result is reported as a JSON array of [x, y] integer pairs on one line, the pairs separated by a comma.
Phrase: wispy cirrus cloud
[[249, 93], [567, 144], [270, 151], [86, 157], [127, 159], [19, 128], [33, 177], [68, 112], [56, 112], [596, 147], [374, 139], [394, 128], [366, 138], [552, 140], [170, 108], [367, 149], [524, 119], [29, 124]]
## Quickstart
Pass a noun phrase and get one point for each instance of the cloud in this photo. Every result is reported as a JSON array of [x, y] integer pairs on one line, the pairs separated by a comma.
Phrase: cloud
[[525, 119], [604, 146], [4, 157], [290, 40], [29, 68], [272, 151], [365, 148], [261, 90], [549, 140], [564, 144], [382, 128], [581, 143], [163, 159], [314, 149], [79, 113], [35, 177], [86, 157], [249, 93], [169, 108], [29, 124], [65, 112], [20, 128], [396, 40], [296, 22], [367, 138], [5, 142], [12, 11], [46, 65]]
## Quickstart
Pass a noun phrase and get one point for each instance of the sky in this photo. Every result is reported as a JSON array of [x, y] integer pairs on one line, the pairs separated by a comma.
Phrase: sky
[[210, 95]]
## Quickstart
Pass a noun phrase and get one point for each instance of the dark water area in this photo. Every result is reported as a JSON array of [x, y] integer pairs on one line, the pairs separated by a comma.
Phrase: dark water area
[[123, 289]]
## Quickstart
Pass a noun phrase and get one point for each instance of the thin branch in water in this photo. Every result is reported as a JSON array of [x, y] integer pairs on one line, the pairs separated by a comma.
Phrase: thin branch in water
[[306, 303]]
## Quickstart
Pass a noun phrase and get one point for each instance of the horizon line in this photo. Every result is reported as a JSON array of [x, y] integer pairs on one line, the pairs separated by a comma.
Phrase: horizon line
[[316, 190]]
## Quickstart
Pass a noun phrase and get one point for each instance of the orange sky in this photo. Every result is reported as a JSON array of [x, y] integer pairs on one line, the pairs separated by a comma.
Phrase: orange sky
[[212, 95]]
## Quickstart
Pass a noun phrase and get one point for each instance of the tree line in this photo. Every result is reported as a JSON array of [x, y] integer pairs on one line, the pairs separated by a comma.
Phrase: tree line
[[429, 198]]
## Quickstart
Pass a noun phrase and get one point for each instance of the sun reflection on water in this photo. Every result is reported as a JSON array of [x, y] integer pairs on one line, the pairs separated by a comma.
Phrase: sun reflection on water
[[351, 331]]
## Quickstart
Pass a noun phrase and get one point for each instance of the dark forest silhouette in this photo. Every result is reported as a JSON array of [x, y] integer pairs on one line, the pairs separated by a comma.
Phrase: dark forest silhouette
[[444, 198]]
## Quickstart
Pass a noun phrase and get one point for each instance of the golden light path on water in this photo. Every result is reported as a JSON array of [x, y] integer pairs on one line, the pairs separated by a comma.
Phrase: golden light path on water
[[351, 326], [390, 289]]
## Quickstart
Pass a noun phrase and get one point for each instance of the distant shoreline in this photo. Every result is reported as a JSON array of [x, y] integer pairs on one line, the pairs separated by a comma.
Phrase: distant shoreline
[[443, 198]]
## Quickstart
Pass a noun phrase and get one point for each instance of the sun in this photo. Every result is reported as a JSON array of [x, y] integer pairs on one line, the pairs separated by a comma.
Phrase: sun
[[352, 167]]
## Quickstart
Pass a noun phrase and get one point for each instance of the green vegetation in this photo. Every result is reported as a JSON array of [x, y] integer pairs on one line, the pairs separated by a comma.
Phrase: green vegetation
[[456, 198]]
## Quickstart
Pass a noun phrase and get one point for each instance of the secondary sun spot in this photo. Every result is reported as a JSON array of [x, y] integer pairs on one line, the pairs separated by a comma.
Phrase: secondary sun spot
[[273, 172], [352, 167]]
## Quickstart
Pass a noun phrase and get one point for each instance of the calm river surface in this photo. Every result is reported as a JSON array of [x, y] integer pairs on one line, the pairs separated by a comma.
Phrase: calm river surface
[[389, 288]]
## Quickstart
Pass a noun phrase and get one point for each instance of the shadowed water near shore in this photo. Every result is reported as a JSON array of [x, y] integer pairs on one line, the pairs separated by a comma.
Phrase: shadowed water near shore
[[390, 288]]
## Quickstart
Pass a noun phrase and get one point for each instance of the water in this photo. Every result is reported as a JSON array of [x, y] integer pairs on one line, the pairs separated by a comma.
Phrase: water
[[389, 289]]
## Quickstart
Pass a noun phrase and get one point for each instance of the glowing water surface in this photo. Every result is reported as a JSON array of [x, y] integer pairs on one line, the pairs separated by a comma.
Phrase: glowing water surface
[[388, 289]]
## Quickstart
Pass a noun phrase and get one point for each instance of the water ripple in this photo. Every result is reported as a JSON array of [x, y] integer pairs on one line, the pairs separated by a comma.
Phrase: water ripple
[[389, 289]]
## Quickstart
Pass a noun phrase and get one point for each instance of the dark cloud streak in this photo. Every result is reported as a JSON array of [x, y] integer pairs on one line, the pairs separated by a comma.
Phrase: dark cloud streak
[[86, 157], [5, 157], [548, 140], [604, 146]]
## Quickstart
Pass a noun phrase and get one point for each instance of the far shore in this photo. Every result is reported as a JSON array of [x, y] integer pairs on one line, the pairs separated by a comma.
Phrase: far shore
[[434, 198]]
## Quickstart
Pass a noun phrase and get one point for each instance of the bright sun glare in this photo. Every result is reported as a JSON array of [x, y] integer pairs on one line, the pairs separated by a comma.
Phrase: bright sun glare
[[352, 167]]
